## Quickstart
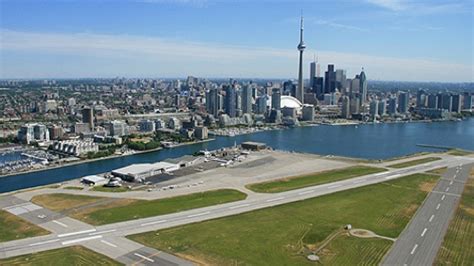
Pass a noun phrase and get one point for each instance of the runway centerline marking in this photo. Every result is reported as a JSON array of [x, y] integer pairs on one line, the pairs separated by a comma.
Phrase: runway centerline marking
[[451, 182], [77, 233], [335, 186], [199, 214], [80, 240], [44, 242], [359, 181], [103, 232], [431, 218], [424, 232], [275, 199], [61, 224], [414, 249], [437, 207], [239, 206], [393, 176], [447, 189], [442, 198], [108, 243], [306, 192], [143, 257], [379, 174], [155, 222]]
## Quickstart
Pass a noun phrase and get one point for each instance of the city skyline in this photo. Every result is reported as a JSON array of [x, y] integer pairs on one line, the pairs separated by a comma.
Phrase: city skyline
[[392, 40]]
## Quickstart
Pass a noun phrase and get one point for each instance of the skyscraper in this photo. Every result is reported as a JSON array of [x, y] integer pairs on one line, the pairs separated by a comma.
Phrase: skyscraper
[[345, 107], [212, 102], [276, 99], [467, 105], [229, 103], [363, 86], [314, 72], [456, 106], [330, 80], [88, 116], [301, 47], [403, 98], [247, 99]]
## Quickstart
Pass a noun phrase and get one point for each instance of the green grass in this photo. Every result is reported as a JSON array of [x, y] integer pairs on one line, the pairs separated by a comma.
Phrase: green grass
[[142, 209], [458, 243], [459, 152], [110, 189], [13, 227], [283, 234], [75, 255], [438, 171], [74, 188], [414, 162], [313, 179]]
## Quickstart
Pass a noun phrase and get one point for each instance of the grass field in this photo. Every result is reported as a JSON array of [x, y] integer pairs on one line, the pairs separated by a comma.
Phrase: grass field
[[459, 152], [313, 179], [74, 188], [110, 189], [75, 255], [98, 210], [414, 162], [285, 234], [458, 243], [13, 227]]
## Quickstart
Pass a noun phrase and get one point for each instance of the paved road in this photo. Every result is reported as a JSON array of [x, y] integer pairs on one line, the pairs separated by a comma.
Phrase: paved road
[[420, 241], [95, 237]]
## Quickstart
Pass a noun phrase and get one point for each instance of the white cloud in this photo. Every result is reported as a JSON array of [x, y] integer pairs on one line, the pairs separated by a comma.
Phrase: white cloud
[[338, 25], [111, 55], [413, 7]]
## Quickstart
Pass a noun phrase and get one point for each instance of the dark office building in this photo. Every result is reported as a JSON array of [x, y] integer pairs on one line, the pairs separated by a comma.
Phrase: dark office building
[[230, 101], [330, 80]]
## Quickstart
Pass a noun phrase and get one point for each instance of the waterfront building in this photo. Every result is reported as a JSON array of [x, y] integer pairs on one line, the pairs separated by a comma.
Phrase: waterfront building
[[382, 108], [75, 147], [354, 105], [289, 112], [392, 106], [88, 116], [159, 124], [174, 123], [433, 101], [363, 87], [147, 125], [403, 100], [275, 116], [26, 134], [308, 112], [432, 113], [201, 133], [261, 105], [301, 47], [330, 80], [374, 108], [421, 98], [55, 132], [41, 132], [276, 99], [467, 102], [212, 101], [346, 108], [456, 105], [446, 102], [229, 102]]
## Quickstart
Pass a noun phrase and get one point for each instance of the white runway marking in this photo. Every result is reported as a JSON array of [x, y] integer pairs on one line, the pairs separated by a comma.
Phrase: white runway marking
[[379, 174], [280, 198], [306, 192], [424, 232], [393, 176], [102, 232], [61, 224], [143, 257], [451, 182], [199, 214], [442, 198], [239, 206], [77, 233], [44, 242], [414, 249], [447, 189], [80, 240], [156, 222], [359, 181], [431, 218], [335, 186], [108, 243], [437, 207]]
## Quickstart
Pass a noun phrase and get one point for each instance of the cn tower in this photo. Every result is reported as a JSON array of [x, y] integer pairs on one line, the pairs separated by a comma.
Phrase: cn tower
[[301, 47]]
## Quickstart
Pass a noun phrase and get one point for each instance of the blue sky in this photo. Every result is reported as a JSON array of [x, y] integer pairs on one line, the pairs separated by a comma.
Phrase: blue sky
[[415, 40]]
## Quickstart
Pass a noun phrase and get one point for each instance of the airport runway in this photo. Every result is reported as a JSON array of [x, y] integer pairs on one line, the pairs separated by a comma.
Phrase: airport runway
[[94, 238], [419, 243]]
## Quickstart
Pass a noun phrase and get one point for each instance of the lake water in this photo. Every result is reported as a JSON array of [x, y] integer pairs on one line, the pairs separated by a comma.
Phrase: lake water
[[371, 141]]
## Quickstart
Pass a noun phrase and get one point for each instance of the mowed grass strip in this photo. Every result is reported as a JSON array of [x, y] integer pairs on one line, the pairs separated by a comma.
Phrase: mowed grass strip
[[458, 243], [282, 235], [75, 255], [296, 182], [103, 210], [414, 162], [110, 189], [13, 227]]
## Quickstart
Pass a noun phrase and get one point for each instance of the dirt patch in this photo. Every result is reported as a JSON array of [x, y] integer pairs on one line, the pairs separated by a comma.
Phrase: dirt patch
[[410, 210], [196, 260], [427, 186], [362, 233], [469, 210]]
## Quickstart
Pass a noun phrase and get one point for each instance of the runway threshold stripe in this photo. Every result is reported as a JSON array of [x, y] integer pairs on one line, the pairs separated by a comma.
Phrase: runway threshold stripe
[[414, 249], [143, 257], [156, 222], [77, 233], [199, 214], [44, 242], [80, 240]]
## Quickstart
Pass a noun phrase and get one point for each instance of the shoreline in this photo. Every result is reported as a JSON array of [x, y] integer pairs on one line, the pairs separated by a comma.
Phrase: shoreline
[[103, 158]]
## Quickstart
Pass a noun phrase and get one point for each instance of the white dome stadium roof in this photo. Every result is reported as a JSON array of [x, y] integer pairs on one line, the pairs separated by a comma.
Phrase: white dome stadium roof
[[290, 101]]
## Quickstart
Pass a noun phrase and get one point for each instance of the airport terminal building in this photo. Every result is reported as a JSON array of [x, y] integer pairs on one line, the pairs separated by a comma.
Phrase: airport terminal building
[[139, 172]]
